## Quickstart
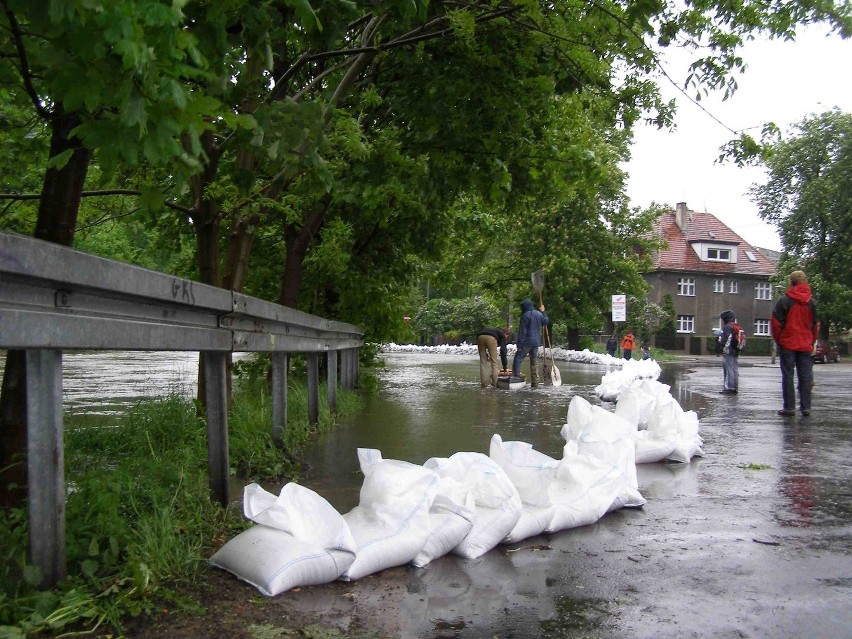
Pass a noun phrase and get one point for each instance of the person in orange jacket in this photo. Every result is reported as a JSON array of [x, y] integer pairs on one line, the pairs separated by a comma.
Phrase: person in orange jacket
[[795, 328], [628, 343]]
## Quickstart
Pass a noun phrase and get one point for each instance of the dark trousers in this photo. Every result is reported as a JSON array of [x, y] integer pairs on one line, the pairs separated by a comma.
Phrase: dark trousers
[[803, 364]]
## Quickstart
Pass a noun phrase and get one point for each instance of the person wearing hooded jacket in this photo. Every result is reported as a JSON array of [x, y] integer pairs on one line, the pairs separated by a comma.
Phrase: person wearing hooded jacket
[[795, 328], [730, 353], [529, 339]]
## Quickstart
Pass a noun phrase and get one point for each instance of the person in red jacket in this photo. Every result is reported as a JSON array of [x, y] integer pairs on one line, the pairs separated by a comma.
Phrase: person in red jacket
[[795, 328]]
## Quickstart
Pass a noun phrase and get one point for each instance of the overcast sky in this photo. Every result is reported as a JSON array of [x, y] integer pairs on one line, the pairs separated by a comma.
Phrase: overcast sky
[[783, 83]]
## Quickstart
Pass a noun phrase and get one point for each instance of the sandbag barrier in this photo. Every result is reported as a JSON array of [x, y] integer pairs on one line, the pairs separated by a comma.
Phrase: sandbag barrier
[[469, 503]]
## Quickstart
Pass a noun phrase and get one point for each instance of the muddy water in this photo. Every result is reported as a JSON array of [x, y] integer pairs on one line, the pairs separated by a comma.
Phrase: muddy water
[[432, 406], [749, 541], [110, 382]]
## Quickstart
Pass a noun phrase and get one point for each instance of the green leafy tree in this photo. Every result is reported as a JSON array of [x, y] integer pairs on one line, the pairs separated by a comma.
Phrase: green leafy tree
[[808, 196], [668, 321]]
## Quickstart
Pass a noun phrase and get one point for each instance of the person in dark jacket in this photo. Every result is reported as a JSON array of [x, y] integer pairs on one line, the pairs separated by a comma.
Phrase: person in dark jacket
[[795, 328], [529, 339], [488, 341], [730, 354], [611, 345]]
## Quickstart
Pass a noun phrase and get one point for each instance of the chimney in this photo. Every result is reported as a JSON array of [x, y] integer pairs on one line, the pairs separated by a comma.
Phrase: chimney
[[682, 216]]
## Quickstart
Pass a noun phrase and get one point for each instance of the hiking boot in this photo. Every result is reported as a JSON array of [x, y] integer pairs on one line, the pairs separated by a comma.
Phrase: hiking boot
[[806, 411], [786, 412]]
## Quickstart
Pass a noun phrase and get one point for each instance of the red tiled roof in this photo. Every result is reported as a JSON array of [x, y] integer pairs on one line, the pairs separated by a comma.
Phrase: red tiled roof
[[704, 227]]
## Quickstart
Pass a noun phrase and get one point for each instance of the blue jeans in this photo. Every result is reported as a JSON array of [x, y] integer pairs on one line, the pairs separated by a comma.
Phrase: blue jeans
[[520, 354], [803, 364]]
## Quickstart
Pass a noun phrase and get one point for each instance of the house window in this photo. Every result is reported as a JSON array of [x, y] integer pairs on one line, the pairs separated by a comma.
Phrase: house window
[[686, 323], [718, 286], [733, 286], [763, 291], [761, 327], [686, 286], [719, 254]]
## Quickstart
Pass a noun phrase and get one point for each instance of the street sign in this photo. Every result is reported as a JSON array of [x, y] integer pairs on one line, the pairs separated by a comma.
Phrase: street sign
[[619, 308]]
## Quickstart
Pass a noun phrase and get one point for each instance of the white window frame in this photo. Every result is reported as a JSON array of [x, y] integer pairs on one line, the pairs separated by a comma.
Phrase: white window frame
[[686, 323], [718, 286], [718, 257], [763, 291], [733, 287], [686, 286], [761, 326]]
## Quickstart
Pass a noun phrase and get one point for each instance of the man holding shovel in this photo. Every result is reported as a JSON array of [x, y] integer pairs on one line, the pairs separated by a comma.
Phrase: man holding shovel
[[529, 339]]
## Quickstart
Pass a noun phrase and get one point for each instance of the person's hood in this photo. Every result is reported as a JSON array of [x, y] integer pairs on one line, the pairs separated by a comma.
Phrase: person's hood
[[526, 305], [800, 293], [727, 316]]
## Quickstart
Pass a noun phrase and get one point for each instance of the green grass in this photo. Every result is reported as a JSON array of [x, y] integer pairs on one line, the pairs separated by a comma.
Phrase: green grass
[[139, 518]]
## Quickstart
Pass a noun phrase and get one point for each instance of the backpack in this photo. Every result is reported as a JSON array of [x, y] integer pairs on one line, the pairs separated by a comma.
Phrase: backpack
[[739, 336]]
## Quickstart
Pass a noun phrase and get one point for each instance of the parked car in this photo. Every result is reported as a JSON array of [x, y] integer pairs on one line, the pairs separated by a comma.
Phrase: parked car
[[825, 352]]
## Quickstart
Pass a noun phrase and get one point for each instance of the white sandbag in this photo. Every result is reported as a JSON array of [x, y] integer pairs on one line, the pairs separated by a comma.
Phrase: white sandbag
[[672, 422], [534, 520], [602, 434], [651, 447], [498, 505], [585, 419], [390, 524], [450, 520], [636, 404], [632, 372], [531, 472], [586, 488], [573, 491], [309, 544], [620, 452]]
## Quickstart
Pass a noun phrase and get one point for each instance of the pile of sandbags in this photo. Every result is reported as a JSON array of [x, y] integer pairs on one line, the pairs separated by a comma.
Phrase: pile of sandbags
[[470, 502], [663, 430], [465, 504]]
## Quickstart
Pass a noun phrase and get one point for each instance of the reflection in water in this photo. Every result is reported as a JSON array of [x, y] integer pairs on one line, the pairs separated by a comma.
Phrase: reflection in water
[[798, 482]]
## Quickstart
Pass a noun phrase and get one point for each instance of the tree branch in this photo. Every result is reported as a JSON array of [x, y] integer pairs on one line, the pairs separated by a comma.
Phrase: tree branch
[[24, 68]]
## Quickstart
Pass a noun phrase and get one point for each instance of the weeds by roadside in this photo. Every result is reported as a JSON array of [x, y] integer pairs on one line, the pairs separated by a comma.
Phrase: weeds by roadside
[[139, 519]]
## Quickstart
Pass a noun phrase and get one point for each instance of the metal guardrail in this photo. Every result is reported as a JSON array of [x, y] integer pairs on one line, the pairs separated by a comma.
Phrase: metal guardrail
[[53, 298]]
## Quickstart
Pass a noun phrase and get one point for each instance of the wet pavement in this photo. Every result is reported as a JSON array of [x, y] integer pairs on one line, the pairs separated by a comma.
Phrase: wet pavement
[[753, 540]]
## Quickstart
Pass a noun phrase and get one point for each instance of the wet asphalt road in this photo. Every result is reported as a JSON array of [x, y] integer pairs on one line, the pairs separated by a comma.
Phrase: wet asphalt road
[[753, 540]]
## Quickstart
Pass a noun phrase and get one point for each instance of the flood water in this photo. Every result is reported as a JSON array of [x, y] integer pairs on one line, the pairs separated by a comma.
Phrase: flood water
[[110, 382], [431, 405], [749, 541]]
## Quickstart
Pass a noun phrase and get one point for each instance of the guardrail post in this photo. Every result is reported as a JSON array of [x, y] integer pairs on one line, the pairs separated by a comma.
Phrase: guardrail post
[[217, 423], [346, 369], [313, 387], [332, 380], [279, 396], [46, 464]]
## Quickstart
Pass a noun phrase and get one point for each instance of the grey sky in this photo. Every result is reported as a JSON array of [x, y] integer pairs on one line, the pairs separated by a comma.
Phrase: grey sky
[[783, 83]]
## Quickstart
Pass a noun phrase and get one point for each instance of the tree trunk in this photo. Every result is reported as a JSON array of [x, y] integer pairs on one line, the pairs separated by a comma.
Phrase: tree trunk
[[298, 240], [59, 206], [206, 221]]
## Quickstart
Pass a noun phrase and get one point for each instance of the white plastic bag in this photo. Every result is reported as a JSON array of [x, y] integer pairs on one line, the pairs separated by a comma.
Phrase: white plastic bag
[[390, 524], [300, 540], [450, 520], [498, 506]]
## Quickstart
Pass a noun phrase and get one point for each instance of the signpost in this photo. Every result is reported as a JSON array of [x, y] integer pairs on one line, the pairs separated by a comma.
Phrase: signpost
[[619, 308]]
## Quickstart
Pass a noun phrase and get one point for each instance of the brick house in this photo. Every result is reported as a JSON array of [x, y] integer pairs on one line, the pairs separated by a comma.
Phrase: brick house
[[708, 268]]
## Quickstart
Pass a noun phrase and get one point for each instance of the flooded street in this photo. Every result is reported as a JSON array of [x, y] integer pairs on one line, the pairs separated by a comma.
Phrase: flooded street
[[753, 540]]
